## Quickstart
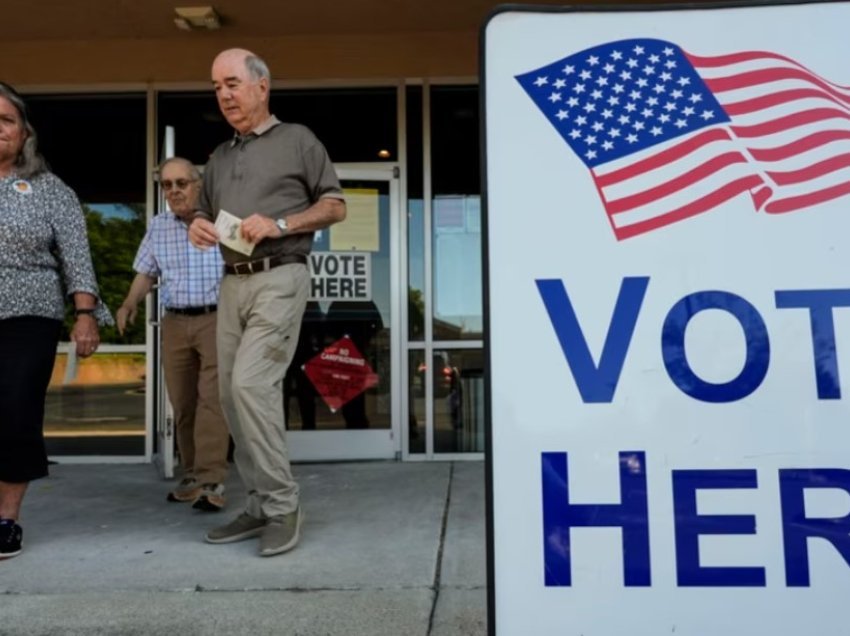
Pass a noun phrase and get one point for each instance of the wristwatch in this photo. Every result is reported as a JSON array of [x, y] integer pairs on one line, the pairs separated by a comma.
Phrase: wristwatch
[[281, 224]]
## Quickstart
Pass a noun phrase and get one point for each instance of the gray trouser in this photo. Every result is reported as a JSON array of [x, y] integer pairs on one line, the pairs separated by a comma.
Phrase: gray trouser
[[259, 317]]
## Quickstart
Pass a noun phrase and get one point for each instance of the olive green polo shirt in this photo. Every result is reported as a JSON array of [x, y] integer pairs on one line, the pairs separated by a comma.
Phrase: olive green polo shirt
[[277, 169]]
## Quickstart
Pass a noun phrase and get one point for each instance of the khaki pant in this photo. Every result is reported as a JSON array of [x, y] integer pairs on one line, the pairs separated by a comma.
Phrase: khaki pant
[[259, 319], [191, 377]]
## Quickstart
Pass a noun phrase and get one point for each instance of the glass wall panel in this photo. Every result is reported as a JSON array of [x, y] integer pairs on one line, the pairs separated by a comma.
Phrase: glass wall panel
[[355, 125], [415, 218], [100, 408], [97, 406], [458, 376], [416, 402], [456, 222]]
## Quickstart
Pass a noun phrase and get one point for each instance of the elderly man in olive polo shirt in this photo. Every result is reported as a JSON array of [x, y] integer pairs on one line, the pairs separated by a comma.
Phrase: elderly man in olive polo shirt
[[278, 179]]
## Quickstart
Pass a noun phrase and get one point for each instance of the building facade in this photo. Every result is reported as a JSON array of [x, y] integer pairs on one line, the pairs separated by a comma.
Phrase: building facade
[[392, 92]]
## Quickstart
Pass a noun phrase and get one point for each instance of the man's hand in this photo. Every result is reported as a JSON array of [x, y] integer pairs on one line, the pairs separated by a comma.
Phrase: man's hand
[[202, 233], [125, 314], [257, 227]]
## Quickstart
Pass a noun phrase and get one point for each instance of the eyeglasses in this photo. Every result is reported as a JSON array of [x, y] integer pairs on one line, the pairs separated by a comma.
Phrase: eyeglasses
[[180, 184]]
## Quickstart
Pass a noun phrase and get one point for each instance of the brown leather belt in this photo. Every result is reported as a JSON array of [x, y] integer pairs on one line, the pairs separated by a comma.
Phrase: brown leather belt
[[263, 264], [192, 311]]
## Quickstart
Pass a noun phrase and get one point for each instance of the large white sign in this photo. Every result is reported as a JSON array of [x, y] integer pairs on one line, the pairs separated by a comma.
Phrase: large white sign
[[668, 229]]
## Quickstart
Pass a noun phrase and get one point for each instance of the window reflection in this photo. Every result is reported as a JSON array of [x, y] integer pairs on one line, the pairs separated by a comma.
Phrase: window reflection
[[458, 377], [97, 407], [353, 124], [115, 231], [457, 267], [416, 402], [415, 217], [456, 213], [416, 270]]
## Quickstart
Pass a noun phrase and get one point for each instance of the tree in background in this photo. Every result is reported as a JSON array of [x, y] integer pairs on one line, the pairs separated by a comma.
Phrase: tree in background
[[113, 241]]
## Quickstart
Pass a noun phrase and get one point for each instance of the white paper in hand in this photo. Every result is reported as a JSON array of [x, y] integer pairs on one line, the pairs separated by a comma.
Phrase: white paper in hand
[[229, 233]]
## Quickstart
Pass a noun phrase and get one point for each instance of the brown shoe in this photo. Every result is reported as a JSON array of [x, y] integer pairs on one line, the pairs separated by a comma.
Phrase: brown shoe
[[187, 490], [281, 534], [211, 498]]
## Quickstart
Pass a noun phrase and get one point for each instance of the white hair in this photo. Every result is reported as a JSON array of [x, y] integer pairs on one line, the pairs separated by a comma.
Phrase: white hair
[[257, 68], [193, 171]]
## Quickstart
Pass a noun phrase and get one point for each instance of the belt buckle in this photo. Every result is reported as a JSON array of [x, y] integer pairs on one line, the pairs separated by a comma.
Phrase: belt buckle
[[239, 267]]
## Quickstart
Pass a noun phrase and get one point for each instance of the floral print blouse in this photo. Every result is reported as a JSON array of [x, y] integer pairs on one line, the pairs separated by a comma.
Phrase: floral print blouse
[[44, 250]]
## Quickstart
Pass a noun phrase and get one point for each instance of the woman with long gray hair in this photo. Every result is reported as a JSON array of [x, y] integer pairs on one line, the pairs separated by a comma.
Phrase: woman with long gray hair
[[44, 263]]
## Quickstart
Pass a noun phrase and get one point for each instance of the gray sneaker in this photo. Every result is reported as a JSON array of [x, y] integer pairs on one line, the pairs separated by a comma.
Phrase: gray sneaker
[[243, 527], [281, 534]]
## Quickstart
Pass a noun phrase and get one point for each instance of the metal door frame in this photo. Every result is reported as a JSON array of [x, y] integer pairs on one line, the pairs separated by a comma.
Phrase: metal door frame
[[304, 445], [378, 443], [156, 394]]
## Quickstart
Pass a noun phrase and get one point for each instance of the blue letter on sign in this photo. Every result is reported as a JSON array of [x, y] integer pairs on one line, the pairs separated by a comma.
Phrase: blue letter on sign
[[820, 303], [673, 347], [797, 527], [595, 383], [560, 516], [690, 525]]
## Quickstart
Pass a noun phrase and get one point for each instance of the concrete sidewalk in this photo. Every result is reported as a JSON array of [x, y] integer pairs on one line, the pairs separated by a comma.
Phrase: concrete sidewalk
[[387, 549]]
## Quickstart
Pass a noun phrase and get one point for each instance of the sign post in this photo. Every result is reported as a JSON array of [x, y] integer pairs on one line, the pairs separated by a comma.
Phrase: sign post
[[667, 208]]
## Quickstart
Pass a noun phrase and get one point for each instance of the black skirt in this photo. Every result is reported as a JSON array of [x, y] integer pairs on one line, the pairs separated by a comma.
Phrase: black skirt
[[27, 354]]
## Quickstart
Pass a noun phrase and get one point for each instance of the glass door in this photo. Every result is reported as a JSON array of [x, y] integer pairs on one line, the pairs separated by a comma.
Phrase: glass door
[[341, 395], [158, 403], [342, 392]]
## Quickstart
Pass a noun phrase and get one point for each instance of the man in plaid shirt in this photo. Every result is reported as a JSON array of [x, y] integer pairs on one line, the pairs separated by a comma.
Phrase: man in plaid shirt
[[190, 280]]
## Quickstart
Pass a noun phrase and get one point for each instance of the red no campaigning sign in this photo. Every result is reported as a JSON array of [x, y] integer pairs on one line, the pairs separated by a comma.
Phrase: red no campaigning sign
[[340, 373]]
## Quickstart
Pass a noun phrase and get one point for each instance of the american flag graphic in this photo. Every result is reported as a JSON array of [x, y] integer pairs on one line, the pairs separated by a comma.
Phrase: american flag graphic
[[668, 135]]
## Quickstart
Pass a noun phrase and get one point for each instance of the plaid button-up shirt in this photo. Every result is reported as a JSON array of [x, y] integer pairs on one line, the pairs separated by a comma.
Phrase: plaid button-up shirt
[[189, 277]]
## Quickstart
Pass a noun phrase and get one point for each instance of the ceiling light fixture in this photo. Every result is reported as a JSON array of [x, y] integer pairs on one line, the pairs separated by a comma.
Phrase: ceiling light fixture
[[190, 18]]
